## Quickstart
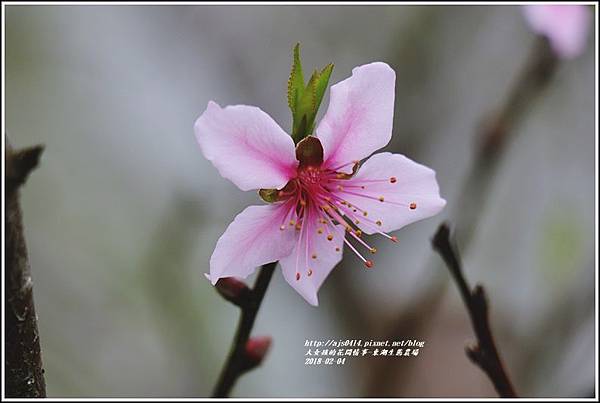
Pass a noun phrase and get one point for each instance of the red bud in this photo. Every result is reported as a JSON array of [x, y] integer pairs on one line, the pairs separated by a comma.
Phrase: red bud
[[256, 349], [233, 290]]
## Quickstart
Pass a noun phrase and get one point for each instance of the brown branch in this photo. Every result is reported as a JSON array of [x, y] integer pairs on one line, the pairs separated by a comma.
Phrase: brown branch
[[493, 136], [484, 353], [23, 361], [239, 361]]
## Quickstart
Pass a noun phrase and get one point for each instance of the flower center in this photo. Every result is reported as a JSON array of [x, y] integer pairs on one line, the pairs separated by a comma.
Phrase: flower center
[[310, 176], [318, 203]]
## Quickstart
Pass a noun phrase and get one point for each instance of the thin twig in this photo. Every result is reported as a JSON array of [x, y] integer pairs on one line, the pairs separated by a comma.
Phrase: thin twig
[[23, 362], [238, 363], [493, 136], [484, 353]]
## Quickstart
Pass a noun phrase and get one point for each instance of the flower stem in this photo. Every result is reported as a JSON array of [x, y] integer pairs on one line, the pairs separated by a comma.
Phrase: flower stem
[[237, 362], [484, 353]]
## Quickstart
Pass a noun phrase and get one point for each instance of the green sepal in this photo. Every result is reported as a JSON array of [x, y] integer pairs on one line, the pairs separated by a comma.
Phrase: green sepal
[[269, 195], [296, 80], [304, 101], [321, 84]]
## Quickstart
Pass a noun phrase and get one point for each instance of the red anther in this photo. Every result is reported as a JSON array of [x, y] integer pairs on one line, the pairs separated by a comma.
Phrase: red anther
[[369, 264], [393, 179], [394, 238], [413, 205]]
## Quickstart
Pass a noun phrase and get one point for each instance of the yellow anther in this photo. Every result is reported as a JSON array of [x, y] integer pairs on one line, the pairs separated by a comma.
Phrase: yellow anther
[[378, 223], [358, 233], [373, 250], [365, 213], [329, 237], [320, 231], [314, 256], [381, 199]]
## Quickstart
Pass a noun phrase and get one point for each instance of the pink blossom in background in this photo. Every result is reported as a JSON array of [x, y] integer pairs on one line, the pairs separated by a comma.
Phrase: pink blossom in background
[[324, 199], [566, 26]]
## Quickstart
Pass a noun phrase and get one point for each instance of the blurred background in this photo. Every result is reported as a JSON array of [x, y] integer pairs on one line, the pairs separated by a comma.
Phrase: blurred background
[[124, 211]]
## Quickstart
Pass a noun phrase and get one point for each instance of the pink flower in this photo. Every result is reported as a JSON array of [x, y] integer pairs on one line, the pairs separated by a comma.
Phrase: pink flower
[[566, 26], [322, 199]]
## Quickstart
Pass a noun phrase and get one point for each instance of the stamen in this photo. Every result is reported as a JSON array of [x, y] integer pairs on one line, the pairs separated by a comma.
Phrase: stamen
[[363, 243], [380, 198], [345, 165], [353, 249], [413, 205]]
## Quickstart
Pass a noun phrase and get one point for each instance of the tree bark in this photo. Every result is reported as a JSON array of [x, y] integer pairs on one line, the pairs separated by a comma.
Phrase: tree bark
[[23, 361]]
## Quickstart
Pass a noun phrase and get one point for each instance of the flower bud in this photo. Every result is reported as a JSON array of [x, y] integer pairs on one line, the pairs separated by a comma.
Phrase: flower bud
[[255, 350], [233, 290]]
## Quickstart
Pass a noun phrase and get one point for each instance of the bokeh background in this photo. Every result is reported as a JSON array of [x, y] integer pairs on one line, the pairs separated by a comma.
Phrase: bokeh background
[[124, 211]]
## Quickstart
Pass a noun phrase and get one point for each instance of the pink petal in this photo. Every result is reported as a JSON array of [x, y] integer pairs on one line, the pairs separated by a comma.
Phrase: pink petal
[[412, 183], [251, 240], [359, 118], [566, 26], [310, 243], [246, 146]]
